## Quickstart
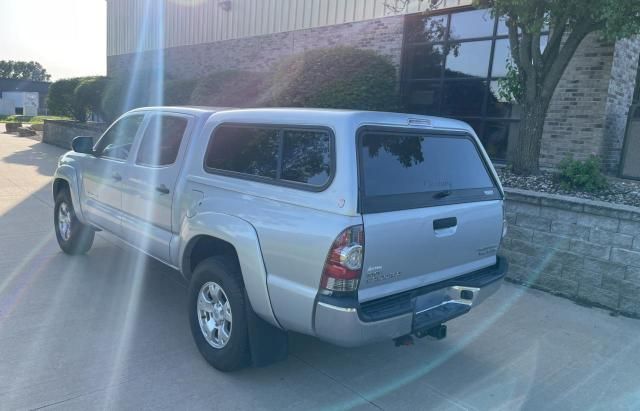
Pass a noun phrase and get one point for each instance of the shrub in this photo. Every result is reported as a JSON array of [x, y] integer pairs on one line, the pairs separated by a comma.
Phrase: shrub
[[581, 175], [90, 92], [178, 92], [145, 88], [231, 88], [341, 77], [62, 101]]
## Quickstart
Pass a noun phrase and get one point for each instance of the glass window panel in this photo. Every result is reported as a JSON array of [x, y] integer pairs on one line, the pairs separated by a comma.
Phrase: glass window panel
[[544, 40], [464, 98], [471, 24], [426, 29], [118, 140], [503, 30], [306, 157], [247, 150], [426, 61], [468, 59], [501, 55], [408, 164], [424, 97], [498, 106], [161, 140], [496, 138]]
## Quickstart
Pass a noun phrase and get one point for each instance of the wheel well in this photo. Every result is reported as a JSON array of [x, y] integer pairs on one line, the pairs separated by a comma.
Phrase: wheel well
[[202, 247], [58, 185]]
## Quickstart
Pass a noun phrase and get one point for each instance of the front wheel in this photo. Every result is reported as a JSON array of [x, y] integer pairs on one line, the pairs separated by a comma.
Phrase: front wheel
[[217, 314], [73, 236]]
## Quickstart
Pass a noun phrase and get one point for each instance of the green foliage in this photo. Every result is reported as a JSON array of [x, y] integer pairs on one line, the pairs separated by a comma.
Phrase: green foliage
[[510, 87], [342, 77], [62, 101], [23, 70], [30, 120], [231, 88], [178, 92], [89, 94], [581, 175]]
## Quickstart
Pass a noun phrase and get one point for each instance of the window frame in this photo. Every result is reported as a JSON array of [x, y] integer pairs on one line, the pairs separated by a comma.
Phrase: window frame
[[412, 201], [133, 143], [147, 123], [277, 181], [407, 80]]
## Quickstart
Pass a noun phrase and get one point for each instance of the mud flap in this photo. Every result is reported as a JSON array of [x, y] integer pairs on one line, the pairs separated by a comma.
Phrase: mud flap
[[267, 344]]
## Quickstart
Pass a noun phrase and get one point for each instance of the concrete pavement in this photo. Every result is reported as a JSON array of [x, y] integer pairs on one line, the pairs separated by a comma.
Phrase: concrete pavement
[[109, 330]]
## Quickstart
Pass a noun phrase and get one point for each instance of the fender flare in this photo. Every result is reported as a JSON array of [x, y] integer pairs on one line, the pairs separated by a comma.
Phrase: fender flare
[[68, 174], [244, 238]]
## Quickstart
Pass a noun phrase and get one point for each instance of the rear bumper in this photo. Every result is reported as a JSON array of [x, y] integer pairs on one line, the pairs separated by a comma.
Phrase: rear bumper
[[350, 324]]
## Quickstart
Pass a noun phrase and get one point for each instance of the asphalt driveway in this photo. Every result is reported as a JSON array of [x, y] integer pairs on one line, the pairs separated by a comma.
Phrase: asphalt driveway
[[109, 330]]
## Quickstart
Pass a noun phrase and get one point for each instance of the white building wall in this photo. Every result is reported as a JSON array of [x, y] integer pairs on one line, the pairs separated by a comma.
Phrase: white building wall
[[139, 25]]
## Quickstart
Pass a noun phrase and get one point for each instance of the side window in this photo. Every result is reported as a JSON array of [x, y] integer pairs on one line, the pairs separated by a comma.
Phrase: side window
[[161, 140], [117, 142], [289, 155], [246, 150], [306, 157]]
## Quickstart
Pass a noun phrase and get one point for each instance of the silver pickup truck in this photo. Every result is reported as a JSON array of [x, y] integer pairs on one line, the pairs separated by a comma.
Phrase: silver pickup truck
[[349, 226]]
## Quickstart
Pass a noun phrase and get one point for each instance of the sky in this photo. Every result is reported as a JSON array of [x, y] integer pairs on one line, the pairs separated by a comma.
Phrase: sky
[[68, 37]]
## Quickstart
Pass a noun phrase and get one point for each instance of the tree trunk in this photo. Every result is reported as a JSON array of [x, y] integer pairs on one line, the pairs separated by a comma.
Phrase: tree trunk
[[525, 157]]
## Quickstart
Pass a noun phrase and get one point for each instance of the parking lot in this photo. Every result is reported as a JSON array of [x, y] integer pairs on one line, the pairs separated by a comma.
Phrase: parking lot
[[109, 330]]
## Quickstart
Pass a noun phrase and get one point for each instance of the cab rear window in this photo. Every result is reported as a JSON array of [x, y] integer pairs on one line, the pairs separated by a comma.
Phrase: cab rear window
[[404, 170]]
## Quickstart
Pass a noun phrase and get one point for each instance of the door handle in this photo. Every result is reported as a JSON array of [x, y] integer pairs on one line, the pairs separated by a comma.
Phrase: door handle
[[445, 223], [116, 177], [162, 189]]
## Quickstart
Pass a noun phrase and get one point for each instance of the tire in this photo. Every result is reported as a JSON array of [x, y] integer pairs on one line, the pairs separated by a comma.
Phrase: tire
[[73, 236], [211, 276]]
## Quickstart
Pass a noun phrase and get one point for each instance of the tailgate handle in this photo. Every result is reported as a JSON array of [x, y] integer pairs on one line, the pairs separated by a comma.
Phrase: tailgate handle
[[444, 223]]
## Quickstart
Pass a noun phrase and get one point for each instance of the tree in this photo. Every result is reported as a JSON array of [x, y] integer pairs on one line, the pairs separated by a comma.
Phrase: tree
[[89, 95], [62, 100], [535, 73], [23, 70]]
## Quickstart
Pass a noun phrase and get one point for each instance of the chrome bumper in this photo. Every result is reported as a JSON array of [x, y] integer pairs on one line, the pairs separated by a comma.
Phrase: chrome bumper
[[352, 326]]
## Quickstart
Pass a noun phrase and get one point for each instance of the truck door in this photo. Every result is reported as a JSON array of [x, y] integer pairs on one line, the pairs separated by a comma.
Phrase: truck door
[[150, 182]]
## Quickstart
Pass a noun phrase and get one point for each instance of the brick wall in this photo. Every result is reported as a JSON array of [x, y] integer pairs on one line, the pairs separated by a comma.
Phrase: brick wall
[[623, 82], [588, 113], [575, 121], [261, 53], [585, 250]]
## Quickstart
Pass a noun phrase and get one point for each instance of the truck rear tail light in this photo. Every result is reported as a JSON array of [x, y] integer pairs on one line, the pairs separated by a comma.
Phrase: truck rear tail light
[[343, 266]]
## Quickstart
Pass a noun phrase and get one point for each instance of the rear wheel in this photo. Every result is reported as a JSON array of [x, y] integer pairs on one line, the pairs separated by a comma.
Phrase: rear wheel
[[73, 236], [217, 314]]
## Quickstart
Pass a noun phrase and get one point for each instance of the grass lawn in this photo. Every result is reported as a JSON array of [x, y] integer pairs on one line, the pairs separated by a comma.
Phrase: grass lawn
[[30, 120]]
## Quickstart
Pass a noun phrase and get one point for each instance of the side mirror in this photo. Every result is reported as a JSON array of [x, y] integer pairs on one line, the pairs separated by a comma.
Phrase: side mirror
[[82, 145]]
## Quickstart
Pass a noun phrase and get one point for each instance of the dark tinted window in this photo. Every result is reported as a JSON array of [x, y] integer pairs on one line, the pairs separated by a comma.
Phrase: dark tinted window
[[161, 140], [117, 141], [426, 61], [306, 157], [397, 164], [247, 150], [427, 29], [307, 154], [463, 98]]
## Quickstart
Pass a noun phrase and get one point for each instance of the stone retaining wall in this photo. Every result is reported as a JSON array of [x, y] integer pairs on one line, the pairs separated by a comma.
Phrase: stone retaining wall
[[61, 133], [586, 250]]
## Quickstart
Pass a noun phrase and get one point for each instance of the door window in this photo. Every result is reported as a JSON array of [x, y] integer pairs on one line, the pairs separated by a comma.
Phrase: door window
[[117, 141], [161, 140]]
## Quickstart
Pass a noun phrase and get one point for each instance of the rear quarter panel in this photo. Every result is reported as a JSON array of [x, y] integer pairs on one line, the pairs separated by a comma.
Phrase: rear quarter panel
[[295, 228]]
